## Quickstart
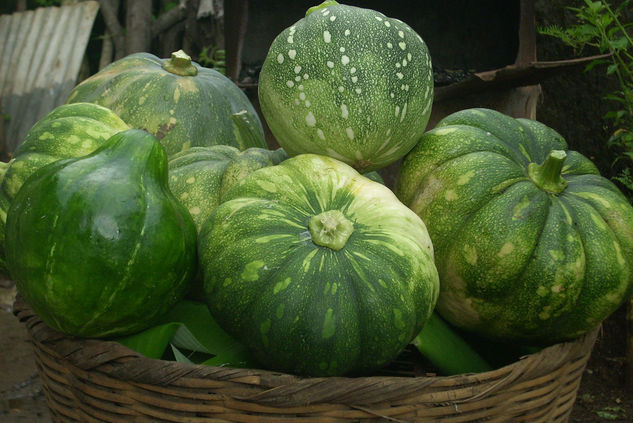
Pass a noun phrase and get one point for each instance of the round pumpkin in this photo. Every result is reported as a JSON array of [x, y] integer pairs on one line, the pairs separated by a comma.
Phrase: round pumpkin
[[180, 102], [316, 268], [98, 245], [347, 82], [531, 243], [72, 130], [200, 176]]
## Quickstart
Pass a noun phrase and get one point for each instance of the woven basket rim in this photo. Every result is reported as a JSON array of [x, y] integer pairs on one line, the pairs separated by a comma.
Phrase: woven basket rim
[[277, 388]]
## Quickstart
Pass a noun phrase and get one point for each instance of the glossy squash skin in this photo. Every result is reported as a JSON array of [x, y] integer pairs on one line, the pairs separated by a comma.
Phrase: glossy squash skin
[[349, 83], [73, 130], [98, 245], [316, 268], [531, 243], [180, 102]]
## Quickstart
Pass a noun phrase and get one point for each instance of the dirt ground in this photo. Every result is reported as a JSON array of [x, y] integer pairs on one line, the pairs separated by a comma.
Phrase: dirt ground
[[602, 396]]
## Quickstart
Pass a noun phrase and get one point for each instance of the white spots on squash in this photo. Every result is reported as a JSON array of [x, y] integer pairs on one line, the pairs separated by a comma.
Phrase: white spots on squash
[[176, 95], [354, 79], [344, 59], [329, 324], [250, 273], [358, 90], [398, 65], [400, 34], [300, 87], [306, 76], [308, 103], [142, 99], [389, 45], [325, 12], [387, 24], [190, 180], [290, 84], [320, 134], [290, 40], [184, 195], [399, 75], [195, 211], [350, 133], [341, 89], [297, 69], [342, 49], [378, 18], [344, 111], [347, 32], [451, 195], [404, 112], [327, 37], [470, 255], [292, 54], [409, 57], [557, 289], [332, 18], [402, 45], [464, 178], [397, 111], [506, 249], [330, 64], [541, 291], [310, 119]]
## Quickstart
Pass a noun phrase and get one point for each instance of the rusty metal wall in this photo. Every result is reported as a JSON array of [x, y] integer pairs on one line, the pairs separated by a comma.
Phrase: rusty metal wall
[[40, 55]]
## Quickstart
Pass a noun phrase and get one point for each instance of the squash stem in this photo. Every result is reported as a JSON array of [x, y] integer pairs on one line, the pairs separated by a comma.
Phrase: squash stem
[[448, 351], [326, 3], [330, 229], [547, 176], [180, 64]]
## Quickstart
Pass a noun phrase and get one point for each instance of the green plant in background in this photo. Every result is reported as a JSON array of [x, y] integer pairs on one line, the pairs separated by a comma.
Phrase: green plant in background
[[602, 26], [213, 57]]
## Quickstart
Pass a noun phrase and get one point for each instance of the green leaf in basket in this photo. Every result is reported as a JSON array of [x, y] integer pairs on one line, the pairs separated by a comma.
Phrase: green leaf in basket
[[193, 335], [179, 356], [197, 318], [151, 342]]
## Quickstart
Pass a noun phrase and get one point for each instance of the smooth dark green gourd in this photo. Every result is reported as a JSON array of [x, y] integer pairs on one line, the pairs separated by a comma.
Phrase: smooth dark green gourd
[[67, 131], [98, 245]]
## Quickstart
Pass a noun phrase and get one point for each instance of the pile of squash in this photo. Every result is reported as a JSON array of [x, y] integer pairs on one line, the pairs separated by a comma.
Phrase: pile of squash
[[155, 182]]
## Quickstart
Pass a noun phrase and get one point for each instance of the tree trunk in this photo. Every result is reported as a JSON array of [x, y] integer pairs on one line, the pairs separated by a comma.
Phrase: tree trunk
[[138, 24], [107, 47]]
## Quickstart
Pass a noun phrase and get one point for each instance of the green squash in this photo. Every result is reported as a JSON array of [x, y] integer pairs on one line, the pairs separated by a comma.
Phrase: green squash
[[98, 245], [180, 102], [72, 130], [531, 243], [349, 83], [199, 177], [316, 268]]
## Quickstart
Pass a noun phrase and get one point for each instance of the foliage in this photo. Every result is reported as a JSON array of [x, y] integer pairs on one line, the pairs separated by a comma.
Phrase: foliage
[[213, 57], [601, 26]]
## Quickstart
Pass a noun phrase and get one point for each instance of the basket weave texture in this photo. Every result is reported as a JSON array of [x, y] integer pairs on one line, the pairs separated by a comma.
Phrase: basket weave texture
[[100, 381]]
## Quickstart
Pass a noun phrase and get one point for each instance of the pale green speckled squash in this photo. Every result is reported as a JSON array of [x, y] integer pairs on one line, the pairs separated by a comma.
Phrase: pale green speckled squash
[[531, 243], [316, 268], [347, 82], [200, 176]]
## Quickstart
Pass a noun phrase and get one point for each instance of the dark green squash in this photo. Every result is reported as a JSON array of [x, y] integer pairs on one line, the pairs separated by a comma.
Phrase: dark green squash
[[182, 103], [98, 245]]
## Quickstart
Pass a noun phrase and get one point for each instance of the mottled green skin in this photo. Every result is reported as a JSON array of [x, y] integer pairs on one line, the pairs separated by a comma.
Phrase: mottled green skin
[[67, 131], [349, 83], [199, 177], [98, 245], [310, 309], [517, 262], [182, 111]]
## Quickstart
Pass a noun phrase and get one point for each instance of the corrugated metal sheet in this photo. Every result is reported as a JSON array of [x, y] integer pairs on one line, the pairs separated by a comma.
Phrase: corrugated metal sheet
[[40, 55]]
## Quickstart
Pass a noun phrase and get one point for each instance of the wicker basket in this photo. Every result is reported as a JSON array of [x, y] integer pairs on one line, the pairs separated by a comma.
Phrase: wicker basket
[[99, 381]]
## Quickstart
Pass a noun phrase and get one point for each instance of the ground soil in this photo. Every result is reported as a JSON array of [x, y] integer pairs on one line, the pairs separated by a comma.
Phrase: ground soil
[[602, 396]]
